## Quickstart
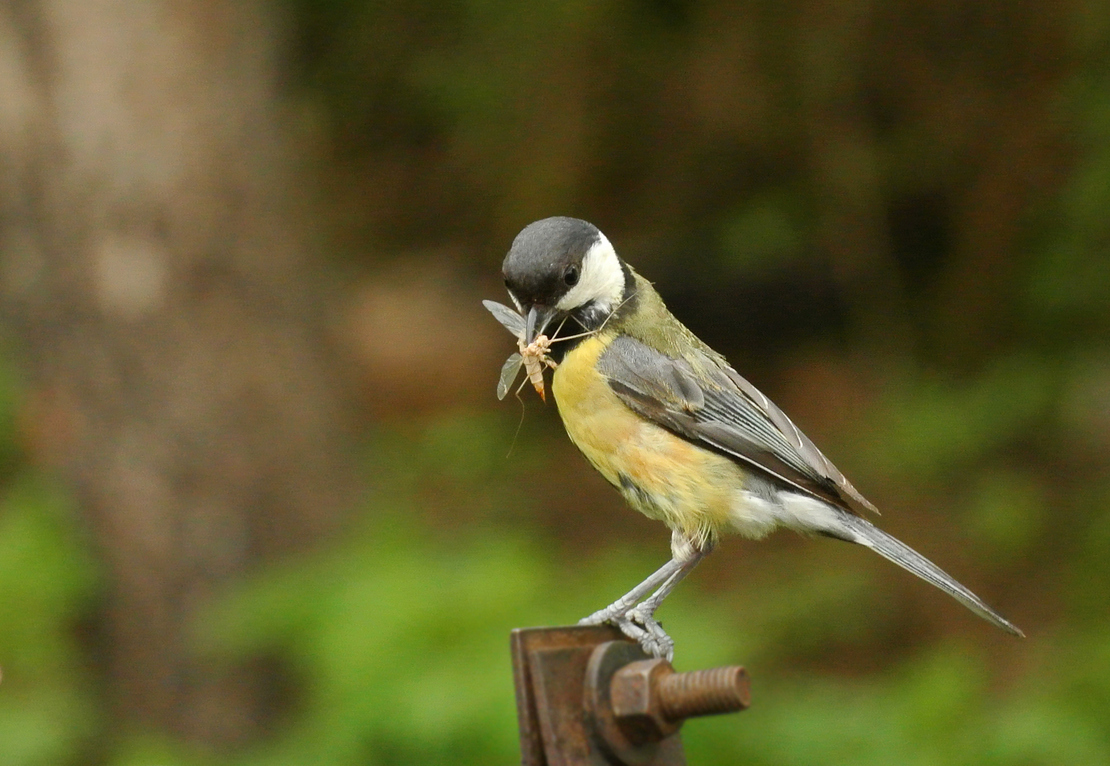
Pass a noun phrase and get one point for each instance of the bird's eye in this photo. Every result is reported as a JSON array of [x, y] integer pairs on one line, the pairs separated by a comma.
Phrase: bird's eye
[[570, 276]]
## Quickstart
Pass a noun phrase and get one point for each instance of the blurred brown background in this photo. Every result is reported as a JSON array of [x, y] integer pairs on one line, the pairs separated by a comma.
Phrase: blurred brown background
[[259, 504]]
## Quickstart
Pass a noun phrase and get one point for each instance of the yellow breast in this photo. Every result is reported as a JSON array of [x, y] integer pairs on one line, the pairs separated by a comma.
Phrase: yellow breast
[[662, 475]]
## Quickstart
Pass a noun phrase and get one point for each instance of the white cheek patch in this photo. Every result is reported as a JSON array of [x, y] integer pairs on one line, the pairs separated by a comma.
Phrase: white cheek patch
[[602, 279]]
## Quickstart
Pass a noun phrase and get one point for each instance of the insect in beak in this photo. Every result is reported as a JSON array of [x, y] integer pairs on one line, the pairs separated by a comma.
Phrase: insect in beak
[[532, 354]]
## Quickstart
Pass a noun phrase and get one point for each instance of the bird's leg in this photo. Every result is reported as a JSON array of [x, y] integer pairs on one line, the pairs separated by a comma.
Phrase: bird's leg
[[651, 636], [637, 620], [625, 603]]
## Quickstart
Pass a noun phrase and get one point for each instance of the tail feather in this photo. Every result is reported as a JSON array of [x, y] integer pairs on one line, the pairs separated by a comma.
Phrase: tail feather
[[865, 533]]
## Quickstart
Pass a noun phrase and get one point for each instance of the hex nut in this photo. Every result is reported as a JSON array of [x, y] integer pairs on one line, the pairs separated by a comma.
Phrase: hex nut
[[634, 696]]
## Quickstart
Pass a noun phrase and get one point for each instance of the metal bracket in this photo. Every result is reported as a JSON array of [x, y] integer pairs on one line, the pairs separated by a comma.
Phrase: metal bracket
[[589, 696]]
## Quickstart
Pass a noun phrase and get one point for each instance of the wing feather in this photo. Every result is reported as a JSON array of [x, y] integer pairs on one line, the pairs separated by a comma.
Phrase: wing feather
[[718, 408]]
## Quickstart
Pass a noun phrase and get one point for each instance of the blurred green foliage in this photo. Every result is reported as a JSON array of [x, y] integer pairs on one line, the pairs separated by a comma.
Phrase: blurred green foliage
[[986, 433], [398, 640], [48, 582]]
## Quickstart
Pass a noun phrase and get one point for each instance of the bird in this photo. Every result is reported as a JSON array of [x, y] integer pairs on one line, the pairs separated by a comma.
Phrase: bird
[[672, 426]]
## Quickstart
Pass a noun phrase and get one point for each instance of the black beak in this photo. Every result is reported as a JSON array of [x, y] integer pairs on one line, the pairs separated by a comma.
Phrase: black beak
[[536, 322]]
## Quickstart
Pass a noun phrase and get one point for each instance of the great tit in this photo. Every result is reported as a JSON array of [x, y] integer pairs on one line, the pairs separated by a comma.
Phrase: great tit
[[678, 432]]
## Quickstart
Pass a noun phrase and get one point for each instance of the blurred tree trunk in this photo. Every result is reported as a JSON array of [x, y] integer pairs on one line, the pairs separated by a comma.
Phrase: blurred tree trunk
[[154, 269]]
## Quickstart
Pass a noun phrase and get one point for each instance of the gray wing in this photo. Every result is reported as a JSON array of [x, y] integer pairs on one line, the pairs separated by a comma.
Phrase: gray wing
[[509, 372], [510, 319], [721, 410]]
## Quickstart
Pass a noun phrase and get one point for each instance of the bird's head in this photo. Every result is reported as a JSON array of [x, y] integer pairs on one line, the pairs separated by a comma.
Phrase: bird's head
[[561, 267]]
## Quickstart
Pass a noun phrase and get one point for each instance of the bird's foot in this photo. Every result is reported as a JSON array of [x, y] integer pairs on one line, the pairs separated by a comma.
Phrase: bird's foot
[[638, 624], [606, 616], [641, 626]]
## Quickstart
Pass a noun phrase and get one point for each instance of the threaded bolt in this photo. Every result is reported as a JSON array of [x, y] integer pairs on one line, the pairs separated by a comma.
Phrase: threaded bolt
[[703, 692], [651, 701]]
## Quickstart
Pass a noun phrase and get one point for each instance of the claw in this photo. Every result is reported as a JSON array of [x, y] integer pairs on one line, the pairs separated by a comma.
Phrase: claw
[[606, 616], [654, 640], [638, 624]]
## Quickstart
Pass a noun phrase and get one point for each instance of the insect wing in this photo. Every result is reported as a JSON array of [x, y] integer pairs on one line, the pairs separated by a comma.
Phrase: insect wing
[[509, 371], [510, 318]]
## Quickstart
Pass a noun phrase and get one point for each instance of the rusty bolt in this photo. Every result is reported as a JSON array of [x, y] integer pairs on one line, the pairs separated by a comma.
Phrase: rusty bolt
[[652, 700], [704, 692]]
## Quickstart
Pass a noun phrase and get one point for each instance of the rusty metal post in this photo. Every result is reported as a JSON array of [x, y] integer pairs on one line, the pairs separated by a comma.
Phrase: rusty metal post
[[588, 696]]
